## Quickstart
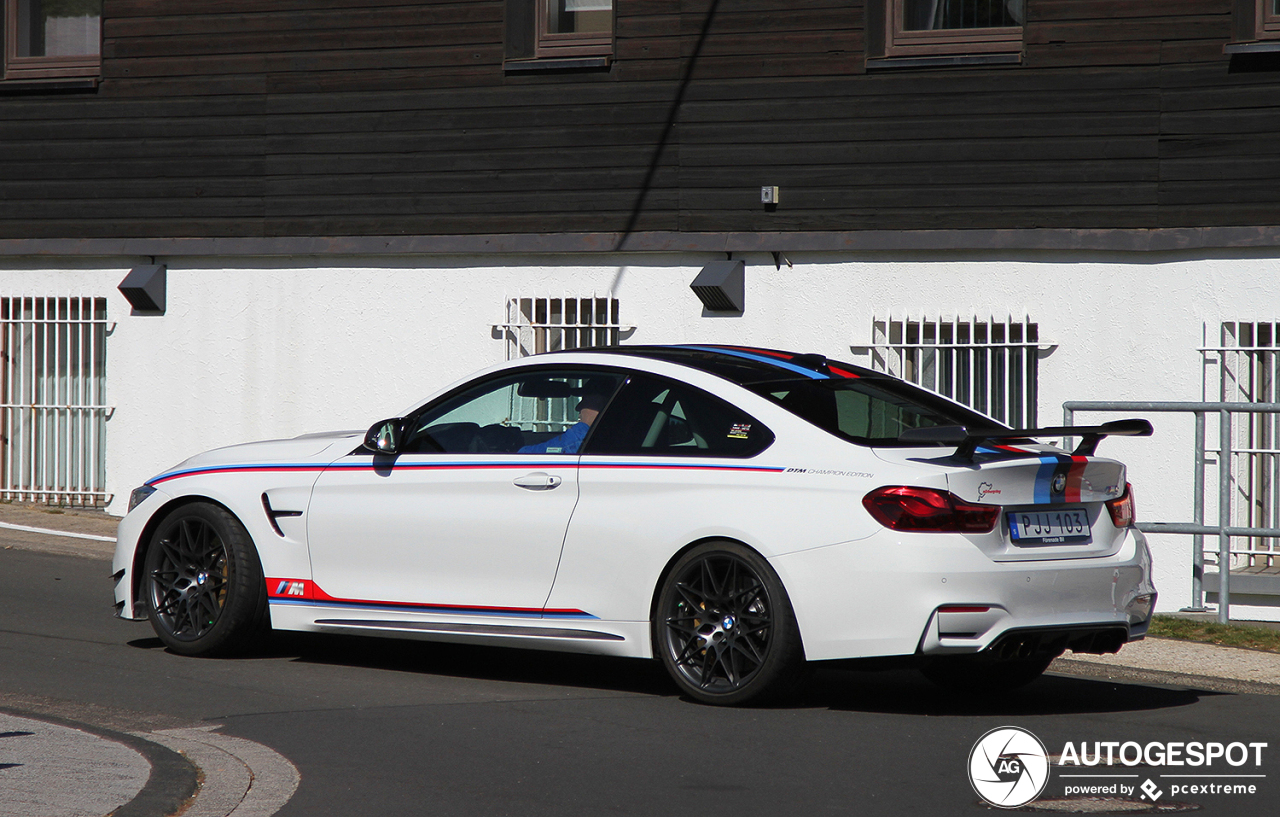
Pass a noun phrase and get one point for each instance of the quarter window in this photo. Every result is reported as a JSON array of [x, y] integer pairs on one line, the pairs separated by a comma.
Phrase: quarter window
[[51, 38], [928, 27], [867, 411]]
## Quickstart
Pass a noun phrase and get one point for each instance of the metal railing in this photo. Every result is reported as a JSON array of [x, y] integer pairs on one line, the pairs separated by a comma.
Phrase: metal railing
[[1197, 528]]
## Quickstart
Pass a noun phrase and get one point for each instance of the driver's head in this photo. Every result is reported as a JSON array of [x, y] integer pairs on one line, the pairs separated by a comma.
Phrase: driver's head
[[589, 407]]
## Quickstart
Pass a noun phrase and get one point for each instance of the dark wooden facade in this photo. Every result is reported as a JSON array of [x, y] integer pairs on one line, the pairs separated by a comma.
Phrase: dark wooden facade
[[274, 118]]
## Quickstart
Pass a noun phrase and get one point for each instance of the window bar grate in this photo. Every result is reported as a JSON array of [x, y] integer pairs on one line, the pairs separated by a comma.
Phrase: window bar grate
[[52, 400], [990, 365], [537, 324], [534, 325], [1247, 367]]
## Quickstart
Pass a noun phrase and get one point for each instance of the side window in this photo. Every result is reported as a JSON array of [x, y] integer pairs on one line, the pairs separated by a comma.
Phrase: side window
[[653, 415], [535, 412]]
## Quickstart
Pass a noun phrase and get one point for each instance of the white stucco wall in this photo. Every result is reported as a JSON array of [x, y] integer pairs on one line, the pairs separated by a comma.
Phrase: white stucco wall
[[272, 348]]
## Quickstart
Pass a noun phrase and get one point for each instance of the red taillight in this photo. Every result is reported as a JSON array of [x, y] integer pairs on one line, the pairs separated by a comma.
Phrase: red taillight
[[902, 507], [1121, 510]]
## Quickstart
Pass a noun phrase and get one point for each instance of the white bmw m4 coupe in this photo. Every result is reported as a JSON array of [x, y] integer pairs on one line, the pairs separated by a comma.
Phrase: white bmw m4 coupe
[[732, 512]]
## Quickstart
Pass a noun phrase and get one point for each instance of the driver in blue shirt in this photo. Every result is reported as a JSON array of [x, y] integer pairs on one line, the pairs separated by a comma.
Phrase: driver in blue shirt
[[571, 440]]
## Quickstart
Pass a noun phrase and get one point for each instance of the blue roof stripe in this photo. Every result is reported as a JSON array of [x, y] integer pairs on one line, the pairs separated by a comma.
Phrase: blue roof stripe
[[772, 361]]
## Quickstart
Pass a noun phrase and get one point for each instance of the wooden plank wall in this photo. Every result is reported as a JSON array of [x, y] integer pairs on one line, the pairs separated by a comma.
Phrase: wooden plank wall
[[385, 117]]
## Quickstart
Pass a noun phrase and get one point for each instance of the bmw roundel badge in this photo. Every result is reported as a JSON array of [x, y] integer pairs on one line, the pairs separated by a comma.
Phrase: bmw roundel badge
[[1059, 483]]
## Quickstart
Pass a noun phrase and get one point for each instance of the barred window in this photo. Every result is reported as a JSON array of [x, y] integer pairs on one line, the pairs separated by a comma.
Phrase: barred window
[[990, 365], [551, 324], [53, 411], [1242, 366]]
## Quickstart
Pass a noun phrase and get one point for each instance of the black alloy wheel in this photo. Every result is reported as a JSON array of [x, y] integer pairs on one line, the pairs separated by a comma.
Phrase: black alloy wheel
[[725, 630], [203, 583]]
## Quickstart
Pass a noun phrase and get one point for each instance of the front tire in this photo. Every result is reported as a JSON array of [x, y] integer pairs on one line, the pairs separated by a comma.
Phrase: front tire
[[724, 627], [203, 582]]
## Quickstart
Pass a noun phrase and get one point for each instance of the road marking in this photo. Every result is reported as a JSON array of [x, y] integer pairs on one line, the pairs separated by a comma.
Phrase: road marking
[[241, 778], [52, 532]]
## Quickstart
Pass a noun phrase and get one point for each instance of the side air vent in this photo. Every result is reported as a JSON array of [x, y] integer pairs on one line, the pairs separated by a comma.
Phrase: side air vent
[[273, 515]]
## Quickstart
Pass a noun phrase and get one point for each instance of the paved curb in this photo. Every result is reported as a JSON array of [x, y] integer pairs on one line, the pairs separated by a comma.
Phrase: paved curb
[[172, 780], [1174, 661], [195, 772], [1079, 668], [241, 778]]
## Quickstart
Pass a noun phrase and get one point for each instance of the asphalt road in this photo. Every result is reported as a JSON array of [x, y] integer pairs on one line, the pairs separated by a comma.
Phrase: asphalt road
[[396, 727]]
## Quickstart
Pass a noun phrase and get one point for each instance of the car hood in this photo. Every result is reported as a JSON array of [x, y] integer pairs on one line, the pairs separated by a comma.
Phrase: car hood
[[307, 448]]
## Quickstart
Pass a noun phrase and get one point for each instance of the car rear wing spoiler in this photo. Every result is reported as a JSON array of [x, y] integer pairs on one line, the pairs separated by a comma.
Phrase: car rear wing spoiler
[[967, 441]]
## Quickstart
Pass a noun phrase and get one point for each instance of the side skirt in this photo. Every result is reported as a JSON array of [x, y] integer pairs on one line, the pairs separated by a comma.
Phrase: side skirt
[[469, 629]]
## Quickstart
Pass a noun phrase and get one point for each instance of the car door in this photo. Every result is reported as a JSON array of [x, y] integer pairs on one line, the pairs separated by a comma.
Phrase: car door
[[667, 464], [470, 517]]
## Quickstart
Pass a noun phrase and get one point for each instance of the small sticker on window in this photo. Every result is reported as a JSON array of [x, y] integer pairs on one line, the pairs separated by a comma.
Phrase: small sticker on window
[[739, 431]]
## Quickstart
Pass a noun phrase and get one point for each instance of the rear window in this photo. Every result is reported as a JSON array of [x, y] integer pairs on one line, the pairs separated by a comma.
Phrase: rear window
[[869, 411]]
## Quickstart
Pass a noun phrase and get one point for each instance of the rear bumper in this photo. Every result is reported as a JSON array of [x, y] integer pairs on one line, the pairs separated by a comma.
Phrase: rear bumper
[[901, 594]]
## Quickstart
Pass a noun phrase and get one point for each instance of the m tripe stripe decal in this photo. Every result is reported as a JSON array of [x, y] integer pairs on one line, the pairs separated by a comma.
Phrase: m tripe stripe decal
[[1052, 467], [306, 593], [569, 462]]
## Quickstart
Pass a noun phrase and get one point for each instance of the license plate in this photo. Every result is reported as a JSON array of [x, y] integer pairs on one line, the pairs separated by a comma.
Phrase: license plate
[[1057, 527]]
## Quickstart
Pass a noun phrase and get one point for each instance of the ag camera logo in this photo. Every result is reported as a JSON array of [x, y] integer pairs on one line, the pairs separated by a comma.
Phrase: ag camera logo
[[1008, 767]]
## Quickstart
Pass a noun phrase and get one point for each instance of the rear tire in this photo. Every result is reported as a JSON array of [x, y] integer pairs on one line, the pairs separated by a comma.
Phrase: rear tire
[[202, 582], [724, 628]]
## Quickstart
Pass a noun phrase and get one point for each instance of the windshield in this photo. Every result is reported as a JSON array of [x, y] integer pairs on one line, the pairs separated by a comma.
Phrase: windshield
[[869, 411]]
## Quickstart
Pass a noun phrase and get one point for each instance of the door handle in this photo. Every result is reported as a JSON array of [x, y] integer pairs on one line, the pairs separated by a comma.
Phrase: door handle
[[538, 481]]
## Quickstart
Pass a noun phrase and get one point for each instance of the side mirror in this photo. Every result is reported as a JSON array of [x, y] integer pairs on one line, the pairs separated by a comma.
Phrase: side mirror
[[385, 436]]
